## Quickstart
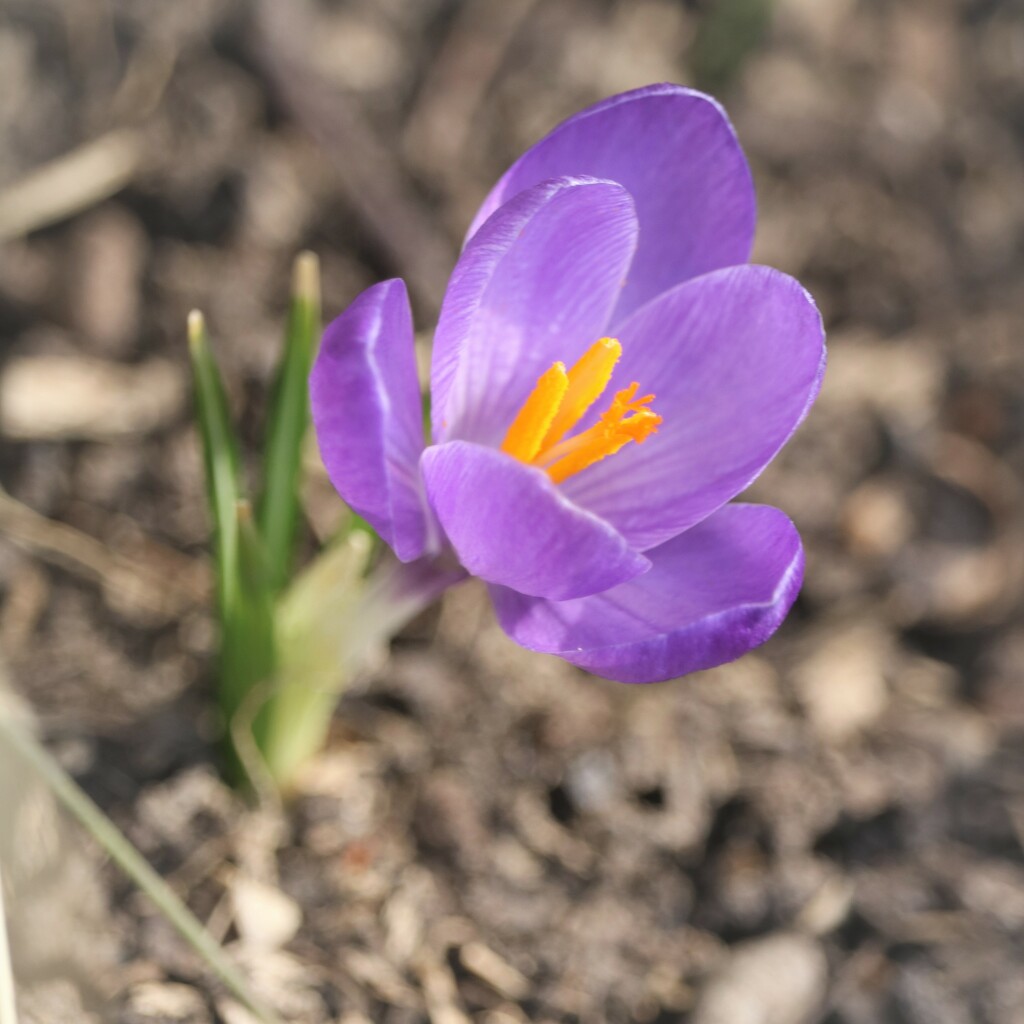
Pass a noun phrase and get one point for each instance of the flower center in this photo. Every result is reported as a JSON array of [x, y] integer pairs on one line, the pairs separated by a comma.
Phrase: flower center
[[559, 401]]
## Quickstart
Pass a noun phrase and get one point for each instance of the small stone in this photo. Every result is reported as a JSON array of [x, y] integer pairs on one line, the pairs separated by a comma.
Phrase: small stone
[[877, 520], [515, 863], [160, 1002], [265, 917], [780, 979], [828, 907], [235, 1013], [842, 683], [592, 780]]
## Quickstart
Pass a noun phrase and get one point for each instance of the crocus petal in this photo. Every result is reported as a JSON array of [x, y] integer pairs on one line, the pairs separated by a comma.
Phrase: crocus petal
[[508, 524], [712, 594], [536, 285], [735, 359], [676, 153], [368, 416]]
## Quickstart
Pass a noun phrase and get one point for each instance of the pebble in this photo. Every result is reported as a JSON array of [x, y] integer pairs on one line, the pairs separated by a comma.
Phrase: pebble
[[842, 683], [265, 917], [780, 979], [162, 1002]]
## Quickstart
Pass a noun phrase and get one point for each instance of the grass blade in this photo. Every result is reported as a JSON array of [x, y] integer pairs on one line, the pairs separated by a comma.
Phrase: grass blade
[[279, 507], [8, 1010], [106, 833]]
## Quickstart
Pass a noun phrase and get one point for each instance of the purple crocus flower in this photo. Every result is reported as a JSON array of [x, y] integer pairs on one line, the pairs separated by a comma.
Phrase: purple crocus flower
[[608, 372]]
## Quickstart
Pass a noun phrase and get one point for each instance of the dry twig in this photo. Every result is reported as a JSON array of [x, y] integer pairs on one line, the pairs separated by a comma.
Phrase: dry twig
[[73, 182], [152, 588], [372, 182]]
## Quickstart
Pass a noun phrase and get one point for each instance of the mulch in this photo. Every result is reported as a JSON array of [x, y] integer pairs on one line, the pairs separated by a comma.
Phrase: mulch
[[830, 830]]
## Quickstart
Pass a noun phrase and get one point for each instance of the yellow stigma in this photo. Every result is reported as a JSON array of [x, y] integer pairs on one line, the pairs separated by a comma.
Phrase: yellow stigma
[[559, 401]]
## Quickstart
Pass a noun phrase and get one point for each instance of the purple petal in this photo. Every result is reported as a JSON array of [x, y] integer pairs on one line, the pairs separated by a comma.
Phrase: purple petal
[[510, 525], [735, 359], [712, 594], [676, 153], [536, 285], [368, 416]]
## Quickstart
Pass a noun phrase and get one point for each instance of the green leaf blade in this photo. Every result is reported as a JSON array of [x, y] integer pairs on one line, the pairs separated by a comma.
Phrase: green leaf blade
[[279, 507], [220, 457], [245, 601]]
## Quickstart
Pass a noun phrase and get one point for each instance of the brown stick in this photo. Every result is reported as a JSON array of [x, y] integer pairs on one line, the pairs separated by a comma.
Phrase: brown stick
[[370, 174]]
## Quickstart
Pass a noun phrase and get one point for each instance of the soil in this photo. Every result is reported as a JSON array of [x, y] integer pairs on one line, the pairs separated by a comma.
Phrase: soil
[[830, 830]]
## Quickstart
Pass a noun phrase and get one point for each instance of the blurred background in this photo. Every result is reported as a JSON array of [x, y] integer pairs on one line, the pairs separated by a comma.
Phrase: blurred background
[[830, 830]]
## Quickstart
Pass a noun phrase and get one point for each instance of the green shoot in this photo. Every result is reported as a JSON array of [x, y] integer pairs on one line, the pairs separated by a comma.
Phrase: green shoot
[[287, 646], [244, 602], [279, 510], [220, 456]]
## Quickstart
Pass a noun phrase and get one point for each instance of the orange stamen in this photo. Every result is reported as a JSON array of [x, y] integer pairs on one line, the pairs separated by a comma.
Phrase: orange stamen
[[627, 419], [559, 401], [532, 422], [588, 378]]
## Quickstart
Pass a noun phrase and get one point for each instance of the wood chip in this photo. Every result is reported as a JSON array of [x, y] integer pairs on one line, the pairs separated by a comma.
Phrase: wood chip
[[440, 992], [482, 961], [55, 397], [381, 978]]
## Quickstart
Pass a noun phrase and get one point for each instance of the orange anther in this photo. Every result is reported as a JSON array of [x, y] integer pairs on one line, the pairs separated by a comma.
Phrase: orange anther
[[532, 422], [559, 401], [588, 378], [626, 419]]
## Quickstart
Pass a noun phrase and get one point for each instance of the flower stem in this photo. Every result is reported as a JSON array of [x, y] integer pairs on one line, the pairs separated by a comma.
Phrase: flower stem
[[397, 592], [20, 738], [330, 627]]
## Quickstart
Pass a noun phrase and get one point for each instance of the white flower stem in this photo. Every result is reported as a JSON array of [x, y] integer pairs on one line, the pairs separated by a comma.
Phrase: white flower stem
[[21, 740], [331, 626]]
